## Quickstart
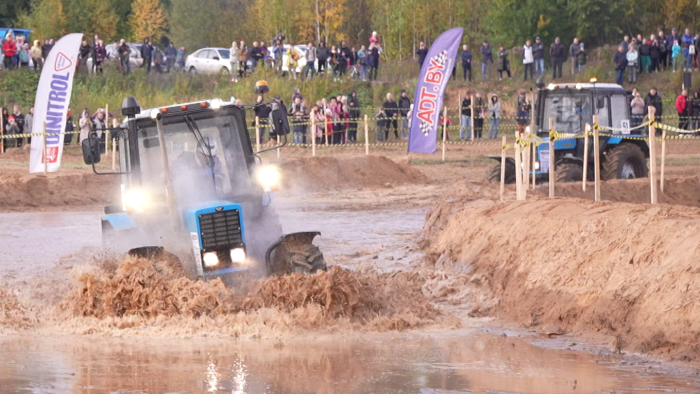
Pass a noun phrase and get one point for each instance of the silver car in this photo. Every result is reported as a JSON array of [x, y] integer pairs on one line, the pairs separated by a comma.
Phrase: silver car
[[209, 61]]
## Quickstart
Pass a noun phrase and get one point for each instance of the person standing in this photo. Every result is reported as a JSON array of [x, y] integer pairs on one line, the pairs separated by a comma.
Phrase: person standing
[[299, 115], [486, 60], [8, 50], [466, 63], [694, 111], [404, 106], [124, 57], [310, 68], [494, 109], [503, 63], [632, 62], [242, 59], [479, 109], [582, 59], [171, 55], [391, 109], [556, 53], [670, 40], [354, 107], [180, 60], [85, 125], [19, 121], [655, 55], [36, 55], [663, 50], [29, 123], [528, 59], [625, 43], [466, 118], [362, 60], [654, 100], [322, 56], [687, 42], [93, 52], [683, 110], [574, 49], [147, 55], [645, 56], [422, 53], [538, 55], [374, 61], [637, 110], [620, 62]]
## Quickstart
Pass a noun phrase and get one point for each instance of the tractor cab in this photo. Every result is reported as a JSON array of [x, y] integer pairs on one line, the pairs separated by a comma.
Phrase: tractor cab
[[189, 176], [572, 106]]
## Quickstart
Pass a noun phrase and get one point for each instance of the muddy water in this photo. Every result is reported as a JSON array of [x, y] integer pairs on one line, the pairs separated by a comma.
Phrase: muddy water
[[463, 362]]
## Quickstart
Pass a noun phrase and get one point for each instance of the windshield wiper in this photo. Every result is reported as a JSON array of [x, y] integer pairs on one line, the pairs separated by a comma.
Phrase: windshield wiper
[[192, 125]]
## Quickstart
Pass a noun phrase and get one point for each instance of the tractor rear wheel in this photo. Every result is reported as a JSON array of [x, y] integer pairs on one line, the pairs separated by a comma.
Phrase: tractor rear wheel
[[494, 175], [291, 256], [625, 161], [569, 172]]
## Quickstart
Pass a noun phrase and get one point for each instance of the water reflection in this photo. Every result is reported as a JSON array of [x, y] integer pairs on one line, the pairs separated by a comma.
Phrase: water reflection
[[465, 362]]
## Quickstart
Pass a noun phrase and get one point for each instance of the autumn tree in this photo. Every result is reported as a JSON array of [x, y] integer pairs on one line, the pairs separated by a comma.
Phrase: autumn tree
[[46, 18], [218, 24], [147, 19]]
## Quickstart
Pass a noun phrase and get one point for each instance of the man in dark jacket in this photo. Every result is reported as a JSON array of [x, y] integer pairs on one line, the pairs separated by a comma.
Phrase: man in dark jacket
[[147, 55], [669, 44], [556, 53], [354, 107], [404, 106], [620, 62], [322, 54], [124, 57], [466, 63], [422, 52], [653, 100], [171, 55], [391, 109], [538, 55], [465, 119], [486, 59]]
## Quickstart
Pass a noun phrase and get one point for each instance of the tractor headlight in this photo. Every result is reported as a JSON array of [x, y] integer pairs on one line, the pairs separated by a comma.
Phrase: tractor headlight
[[215, 104], [269, 178], [211, 259], [238, 255], [537, 165], [135, 199]]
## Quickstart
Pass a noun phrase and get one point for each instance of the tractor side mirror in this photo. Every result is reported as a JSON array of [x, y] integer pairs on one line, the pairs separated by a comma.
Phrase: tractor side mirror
[[280, 121], [91, 150]]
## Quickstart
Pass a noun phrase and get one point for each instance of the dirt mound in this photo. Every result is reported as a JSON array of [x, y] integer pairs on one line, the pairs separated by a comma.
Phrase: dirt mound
[[677, 191], [337, 173], [36, 191], [148, 292], [628, 270]]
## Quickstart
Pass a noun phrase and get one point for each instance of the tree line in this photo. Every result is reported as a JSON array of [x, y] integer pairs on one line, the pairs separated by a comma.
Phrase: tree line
[[400, 24]]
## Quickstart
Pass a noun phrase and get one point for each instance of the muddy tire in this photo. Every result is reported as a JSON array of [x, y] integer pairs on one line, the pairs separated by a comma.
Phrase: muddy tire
[[569, 172], [626, 161], [494, 175], [289, 259]]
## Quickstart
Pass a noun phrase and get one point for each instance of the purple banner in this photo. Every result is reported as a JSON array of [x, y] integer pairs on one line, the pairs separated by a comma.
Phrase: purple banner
[[430, 90]]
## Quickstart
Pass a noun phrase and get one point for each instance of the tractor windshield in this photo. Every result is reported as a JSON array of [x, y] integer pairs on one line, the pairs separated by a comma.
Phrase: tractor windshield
[[208, 164], [571, 111]]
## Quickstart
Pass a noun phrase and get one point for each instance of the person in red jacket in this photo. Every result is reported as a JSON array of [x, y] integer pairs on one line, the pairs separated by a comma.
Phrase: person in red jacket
[[684, 110], [9, 49]]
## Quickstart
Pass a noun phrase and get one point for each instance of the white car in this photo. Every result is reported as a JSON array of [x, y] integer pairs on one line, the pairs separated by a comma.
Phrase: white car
[[209, 61]]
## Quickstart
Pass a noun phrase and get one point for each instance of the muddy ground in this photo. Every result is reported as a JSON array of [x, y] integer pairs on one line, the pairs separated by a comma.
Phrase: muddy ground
[[443, 287]]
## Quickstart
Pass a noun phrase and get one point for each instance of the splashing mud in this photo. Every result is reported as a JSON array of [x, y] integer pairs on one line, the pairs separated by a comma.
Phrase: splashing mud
[[143, 293], [13, 315]]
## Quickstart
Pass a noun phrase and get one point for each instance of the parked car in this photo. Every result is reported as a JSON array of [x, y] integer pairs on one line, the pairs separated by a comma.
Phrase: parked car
[[209, 61]]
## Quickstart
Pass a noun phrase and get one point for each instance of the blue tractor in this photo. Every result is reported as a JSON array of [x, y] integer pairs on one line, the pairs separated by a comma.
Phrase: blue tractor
[[192, 184], [572, 106]]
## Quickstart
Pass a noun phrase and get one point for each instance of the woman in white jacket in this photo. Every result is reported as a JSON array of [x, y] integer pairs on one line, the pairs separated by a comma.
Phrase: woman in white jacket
[[528, 59], [494, 116]]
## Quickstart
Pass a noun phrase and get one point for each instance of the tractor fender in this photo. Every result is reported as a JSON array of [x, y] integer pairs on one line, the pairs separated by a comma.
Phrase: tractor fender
[[278, 254], [614, 142], [570, 159]]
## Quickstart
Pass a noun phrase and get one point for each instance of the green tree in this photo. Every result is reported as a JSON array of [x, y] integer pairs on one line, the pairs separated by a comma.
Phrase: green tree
[[46, 18]]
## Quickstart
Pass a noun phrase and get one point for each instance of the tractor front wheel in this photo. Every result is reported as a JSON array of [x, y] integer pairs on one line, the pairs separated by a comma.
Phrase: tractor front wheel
[[569, 172], [494, 174]]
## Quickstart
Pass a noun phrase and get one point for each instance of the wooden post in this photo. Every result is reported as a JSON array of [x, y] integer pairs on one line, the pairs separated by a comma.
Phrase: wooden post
[[503, 169], [257, 134], [471, 129], [278, 146], [518, 168], [444, 132], [596, 157], [551, 160], [526, 167], [107, 133], [313, 134], [534, 171], [46, 150], [459, 112], [114, 147], [532, 109], [585, 156], [325, 128], [366, 136], [663, 158], [652, 154]]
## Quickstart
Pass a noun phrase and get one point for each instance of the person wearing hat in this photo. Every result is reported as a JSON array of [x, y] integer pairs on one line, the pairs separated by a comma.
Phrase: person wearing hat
[[404, 106], [486, 58], [538, 55]]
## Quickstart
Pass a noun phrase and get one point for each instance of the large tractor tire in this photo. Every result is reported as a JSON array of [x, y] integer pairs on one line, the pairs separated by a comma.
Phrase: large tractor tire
[[494, 175], [625, 161], [295, 253], [569, 172]]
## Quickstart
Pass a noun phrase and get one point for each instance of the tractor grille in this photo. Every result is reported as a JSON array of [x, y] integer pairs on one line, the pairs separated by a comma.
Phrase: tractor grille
[[220, 229]]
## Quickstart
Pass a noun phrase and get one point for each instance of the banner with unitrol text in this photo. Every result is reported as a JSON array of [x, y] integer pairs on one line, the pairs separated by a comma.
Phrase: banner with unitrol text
[[51, 103], [430, 89]]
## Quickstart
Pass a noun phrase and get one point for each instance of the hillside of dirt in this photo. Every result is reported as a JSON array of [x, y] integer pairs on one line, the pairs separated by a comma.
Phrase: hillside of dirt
[[339, 173], [626, 270]]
